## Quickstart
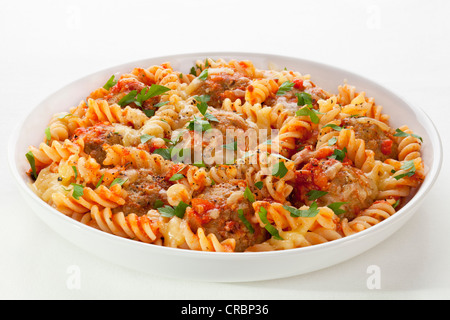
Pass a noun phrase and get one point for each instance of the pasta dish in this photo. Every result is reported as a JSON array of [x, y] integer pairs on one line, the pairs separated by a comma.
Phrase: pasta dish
[[225, 157]]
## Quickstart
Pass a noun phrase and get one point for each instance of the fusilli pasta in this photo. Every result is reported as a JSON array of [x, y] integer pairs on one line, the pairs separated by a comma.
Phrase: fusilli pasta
[[288, 165]]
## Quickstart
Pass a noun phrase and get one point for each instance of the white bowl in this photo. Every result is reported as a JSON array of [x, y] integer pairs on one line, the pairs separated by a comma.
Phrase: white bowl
[[213, 266]]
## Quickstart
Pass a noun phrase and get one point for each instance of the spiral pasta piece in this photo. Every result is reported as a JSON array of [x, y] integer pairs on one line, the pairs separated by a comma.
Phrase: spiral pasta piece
[[356, 103], [297, 232], [81, 169], [47, 183], [117, 155], [57, 151], [178, 233], [259, 90], [369, 217], [145, 228], [409, 146], [102, 196]]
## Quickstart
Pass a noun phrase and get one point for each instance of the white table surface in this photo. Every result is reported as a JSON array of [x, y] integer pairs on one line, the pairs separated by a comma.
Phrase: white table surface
[[404, 45]]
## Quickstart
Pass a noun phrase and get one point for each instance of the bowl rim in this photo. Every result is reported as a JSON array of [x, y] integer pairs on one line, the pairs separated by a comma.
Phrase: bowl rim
[[402, 213]]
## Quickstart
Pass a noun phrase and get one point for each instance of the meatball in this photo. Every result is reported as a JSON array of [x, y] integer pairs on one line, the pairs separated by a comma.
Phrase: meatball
[[222, 143], [95, 137], [381, 142], [340, 181], [216, 211], [223, 85], [144, 190]]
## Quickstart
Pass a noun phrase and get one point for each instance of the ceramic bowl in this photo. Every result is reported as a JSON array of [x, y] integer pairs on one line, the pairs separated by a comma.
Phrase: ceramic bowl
[[213, 266]]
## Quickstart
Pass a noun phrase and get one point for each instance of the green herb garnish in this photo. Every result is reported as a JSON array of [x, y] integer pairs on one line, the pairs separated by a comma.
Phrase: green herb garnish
[[270, 228], [245, 221], [158, 204], [333, 126], [78, 190], [164, 152], [146, 137], [309, 112], [336, 207], [312, 211], [408, 166], [400, 133], [203, 75], [118, 181], [168, 211], [99, 181], [304, 98], [279, 170], [176, 176], [145, 94], [75, 171], [110, 83], [332, 141], [249, 195], [48, 135], [32, 162], [315, 194], [259, 184], [285, 87], [339, 154]]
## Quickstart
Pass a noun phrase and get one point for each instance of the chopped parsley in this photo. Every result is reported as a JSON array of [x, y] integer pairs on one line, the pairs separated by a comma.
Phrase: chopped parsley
[[176, 176], [309, 112], [245, 221], [203, 75], [30, 157], [199, 125], [75, 172], [279, 170], [336, 207], [339, 154], [285, 87], [127, 99], [409, 167], [78, 191], [168, 211], [332, 141], [400, 133], [99, 181], [270, 228], [146, 137], [48, 135], [145, 94], [164, 152], [311, 212], [395, 205], [202, 103], [303, 98], [259, 184], [333, 126], [158, 204], [249, 195], [160, 104], [315, 194], [118, 181], [110, 83]]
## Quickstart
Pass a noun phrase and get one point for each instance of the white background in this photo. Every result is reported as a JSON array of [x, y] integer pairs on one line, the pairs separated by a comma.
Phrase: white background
[[403, 45]]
